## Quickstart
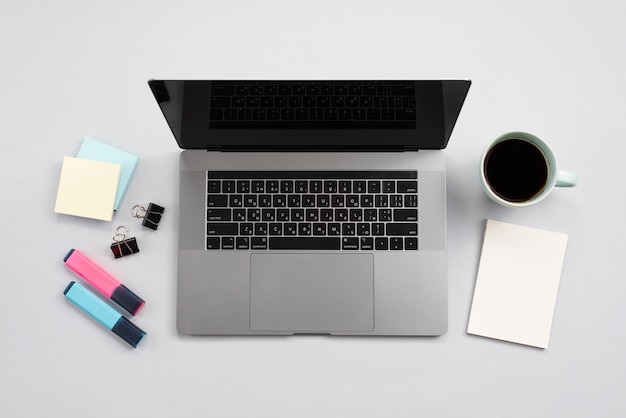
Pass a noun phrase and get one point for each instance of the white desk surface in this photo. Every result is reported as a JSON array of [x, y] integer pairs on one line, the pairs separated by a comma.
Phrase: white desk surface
[[72, 69]]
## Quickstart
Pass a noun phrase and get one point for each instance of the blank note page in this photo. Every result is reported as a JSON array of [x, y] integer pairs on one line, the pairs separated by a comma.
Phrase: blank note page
[[517, 283], [87, 188]]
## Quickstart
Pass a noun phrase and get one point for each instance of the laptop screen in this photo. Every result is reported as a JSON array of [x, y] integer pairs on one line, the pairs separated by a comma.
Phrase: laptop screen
[[310, 114]]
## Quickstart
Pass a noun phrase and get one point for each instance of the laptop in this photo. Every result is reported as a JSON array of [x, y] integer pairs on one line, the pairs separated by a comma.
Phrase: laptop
[[312, 206]]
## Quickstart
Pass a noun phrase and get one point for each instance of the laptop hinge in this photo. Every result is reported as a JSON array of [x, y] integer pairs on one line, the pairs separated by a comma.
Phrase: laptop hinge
[[306, 149]]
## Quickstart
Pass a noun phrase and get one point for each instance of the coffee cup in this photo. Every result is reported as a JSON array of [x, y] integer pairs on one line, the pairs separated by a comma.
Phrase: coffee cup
[[517, 169]]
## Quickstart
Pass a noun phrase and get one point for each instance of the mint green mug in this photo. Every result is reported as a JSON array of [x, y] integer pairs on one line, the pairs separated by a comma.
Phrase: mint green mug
[[517, 169]]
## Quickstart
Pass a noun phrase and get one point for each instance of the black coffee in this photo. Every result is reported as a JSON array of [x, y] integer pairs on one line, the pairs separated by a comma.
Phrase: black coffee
[[516, 170]]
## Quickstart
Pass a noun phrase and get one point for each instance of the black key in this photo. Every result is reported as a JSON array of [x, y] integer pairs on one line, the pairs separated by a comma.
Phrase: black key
[[246, 228], [406, 90], [381, 201], [218, 215], [213, 243], [243, 243], [217, 201], [323, 200], [276, 229], [260, 228], [367, 243], [243, 186], [297, 215], [268, 215], [406, 114], [334, 229], [214, 186], [254, 215], [258, 243], [345, 187], [370, 215], [302, 186], [326, 215], [350, 244], [410, 200], [378, 229], [304, 228], [305, 243], [308, 200], [384, 215], [250, 200], [410, 243], [272, 186], [373, 186], [228, 186], [258, 186], [407, 187], [381, 243], [396, 243], [282, 215], [356, 215], [319, 229], [239, 215], [228, 243], [396, 201], [367, 200], [315, 186], [293, 200], [213, 228], [330, 186], [402, 229], [360, 186], [362, 229], [216, 114], [279, 200], [312, 215], [389, 187], [222, 90], [352, 200], [341, 215], [286, 186], [337, 200], [235, 200], [291, 229], [401, 215], [265, 200], [348, 228]]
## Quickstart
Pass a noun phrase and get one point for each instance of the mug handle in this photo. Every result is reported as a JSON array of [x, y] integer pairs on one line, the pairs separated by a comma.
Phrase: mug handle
[[566, 179]]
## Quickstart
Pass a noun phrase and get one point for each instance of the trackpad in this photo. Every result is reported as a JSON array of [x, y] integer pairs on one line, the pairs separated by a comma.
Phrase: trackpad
[[312, 292]]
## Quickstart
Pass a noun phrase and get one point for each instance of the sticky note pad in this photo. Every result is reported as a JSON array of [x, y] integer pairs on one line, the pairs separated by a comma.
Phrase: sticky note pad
[[92, 149], [517, 284], [88, 188]]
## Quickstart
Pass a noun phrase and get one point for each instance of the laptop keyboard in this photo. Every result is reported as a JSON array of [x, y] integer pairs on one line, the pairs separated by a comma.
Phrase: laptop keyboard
[[313, 105], [312, 210]]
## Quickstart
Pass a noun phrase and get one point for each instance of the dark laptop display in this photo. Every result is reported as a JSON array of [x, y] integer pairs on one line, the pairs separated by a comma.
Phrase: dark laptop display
[[296, 115]]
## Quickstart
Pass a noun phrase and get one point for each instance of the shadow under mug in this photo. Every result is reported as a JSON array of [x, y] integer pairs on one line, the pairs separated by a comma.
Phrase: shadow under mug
[[517, 169]]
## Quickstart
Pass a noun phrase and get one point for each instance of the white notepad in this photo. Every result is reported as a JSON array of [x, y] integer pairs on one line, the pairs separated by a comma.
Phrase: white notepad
[[87, 188], [517, 284]]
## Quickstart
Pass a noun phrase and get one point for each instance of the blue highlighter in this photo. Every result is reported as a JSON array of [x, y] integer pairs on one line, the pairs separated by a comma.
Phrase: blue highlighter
[[103, 313]]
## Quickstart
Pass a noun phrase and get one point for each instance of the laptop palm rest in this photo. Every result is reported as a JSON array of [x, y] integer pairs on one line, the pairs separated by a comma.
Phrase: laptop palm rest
[[311, 293]]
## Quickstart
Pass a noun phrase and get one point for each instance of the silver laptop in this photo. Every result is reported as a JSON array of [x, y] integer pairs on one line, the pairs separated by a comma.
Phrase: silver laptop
[[312, 207]]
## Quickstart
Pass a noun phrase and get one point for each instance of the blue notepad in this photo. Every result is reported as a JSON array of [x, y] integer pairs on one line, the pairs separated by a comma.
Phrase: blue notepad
[[92, 149]]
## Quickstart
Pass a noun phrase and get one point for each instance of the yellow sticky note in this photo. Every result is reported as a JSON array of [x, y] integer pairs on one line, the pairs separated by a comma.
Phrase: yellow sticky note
[[88, 188]]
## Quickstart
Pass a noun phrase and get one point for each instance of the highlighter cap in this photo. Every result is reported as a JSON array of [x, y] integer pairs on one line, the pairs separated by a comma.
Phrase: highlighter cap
[[127, 299], [128, 331]]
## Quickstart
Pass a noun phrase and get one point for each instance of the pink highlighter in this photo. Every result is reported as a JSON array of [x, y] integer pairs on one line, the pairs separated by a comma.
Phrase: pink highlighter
[[103, 281]]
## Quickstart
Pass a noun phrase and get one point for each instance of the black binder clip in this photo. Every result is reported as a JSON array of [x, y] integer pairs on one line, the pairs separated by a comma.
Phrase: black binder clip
[[123, 246], [151, 217]]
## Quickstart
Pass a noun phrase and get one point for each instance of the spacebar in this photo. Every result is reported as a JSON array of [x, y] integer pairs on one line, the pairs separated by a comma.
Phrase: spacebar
[[305, 243]]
